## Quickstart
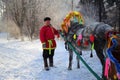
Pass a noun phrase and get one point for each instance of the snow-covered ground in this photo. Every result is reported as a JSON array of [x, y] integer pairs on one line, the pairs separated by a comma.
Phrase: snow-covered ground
[[23, 61]]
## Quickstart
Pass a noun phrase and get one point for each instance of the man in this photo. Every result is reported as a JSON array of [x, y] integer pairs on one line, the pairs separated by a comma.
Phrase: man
[[47, 38]]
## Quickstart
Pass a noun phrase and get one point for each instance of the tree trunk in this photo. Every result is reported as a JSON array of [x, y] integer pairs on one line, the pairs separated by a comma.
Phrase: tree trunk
[[103, 13], [72, 5], [100, 11], [21, 34], [118, 13]]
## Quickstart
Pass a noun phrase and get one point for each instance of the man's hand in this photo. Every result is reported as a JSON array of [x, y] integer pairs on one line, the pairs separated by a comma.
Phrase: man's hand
[[43, 45]]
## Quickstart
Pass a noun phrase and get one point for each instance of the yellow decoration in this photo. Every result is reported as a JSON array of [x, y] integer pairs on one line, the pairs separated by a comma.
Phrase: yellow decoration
[[50, 44], [115, 77], [74, 36], [64, 28], [109, 41], [66, 22]]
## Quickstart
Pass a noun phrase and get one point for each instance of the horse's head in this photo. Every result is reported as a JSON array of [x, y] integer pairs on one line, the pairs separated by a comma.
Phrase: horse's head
[[73, 30], [79, 35]]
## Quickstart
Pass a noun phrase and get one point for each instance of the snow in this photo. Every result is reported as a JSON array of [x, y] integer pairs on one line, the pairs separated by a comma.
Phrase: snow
[[23, 61]]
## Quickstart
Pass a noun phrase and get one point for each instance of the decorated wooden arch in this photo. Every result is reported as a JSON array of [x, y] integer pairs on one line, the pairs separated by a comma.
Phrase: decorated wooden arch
[[72, 16]]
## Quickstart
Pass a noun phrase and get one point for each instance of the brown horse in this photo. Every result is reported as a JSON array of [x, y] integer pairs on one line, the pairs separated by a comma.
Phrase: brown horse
[[112, 72]]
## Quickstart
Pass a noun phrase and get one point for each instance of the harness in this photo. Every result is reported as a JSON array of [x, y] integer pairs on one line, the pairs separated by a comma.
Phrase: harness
[[111, 57]]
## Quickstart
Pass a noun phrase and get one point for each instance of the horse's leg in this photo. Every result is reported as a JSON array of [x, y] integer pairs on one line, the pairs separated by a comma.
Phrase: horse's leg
[[70, 59], [99, 52], [112, 72], [78, 61], [100, 55]]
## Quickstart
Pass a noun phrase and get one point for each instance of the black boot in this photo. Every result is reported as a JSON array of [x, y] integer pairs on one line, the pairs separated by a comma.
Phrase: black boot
[[46, 65], [51, 65], [51, 62], [47, 68]]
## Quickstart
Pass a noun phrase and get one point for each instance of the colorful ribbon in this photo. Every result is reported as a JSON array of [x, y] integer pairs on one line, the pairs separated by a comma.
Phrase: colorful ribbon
[[107, 65], [50, 44], [114, 60]]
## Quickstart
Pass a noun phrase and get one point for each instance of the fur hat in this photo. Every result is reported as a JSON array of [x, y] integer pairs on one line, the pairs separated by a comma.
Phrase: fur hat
[[47, 18]]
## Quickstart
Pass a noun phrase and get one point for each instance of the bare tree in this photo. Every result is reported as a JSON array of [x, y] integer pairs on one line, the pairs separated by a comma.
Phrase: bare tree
[[16, 10], [2, 8], [31, 18], [28, 14], [118, 8]]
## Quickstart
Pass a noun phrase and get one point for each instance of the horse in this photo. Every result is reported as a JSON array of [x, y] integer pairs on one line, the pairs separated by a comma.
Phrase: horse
[[71, 57], [70, 39], [112, 65], [86, 37], [97, 30]]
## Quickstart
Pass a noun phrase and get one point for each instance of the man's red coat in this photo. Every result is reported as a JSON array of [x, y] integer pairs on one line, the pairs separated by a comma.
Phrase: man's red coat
[[47, 33]]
